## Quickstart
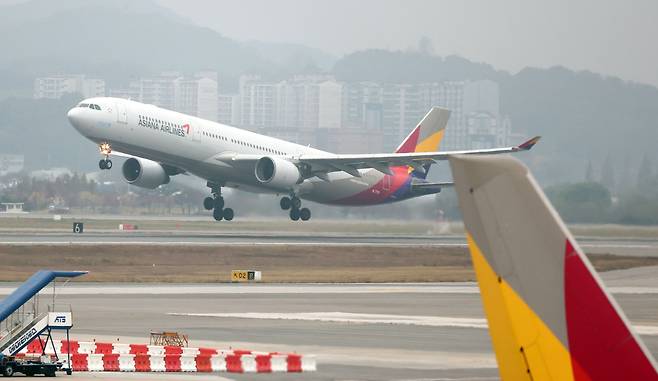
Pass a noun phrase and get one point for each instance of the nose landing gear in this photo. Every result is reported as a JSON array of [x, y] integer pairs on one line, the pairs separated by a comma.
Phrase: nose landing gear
[[216, 204], [294, 203], [106, 150]]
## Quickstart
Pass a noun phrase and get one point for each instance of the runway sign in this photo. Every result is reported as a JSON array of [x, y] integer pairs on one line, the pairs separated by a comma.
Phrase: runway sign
[[78, 227], [245, 276]]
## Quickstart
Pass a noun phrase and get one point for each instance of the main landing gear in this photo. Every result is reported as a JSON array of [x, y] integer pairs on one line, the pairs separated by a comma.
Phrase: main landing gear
[[106, 150], [294, 203], [216, 204]]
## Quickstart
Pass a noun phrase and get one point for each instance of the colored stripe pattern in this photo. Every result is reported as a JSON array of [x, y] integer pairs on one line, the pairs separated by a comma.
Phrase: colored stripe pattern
[[115, 357], [549, 315]]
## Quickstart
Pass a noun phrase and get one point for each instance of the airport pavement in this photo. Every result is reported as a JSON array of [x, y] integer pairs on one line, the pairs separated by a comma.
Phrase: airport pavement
[[357, 331], [604, 245]]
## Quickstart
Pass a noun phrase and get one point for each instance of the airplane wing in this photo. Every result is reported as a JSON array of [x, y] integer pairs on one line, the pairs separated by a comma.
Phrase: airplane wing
[[549, 314], [382, 162]]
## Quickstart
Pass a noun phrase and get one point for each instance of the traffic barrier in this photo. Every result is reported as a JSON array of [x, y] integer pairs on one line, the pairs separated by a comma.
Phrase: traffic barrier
[[170, 350], [79, 362], [156, 350], [218, 363], [249, 363], [86, 347], [120, 349], [233, 363], [279, 363], [158, 364], [208, 351], [95, 363], [308, 364], [188, 363], [72, 345], [142, 363], [294, 363], [104, 348], [92, 356], [127, 363], [33, 347], [186, 351], [263, 363], [172, 363], [111, 362], [203, 363], [138, 349]]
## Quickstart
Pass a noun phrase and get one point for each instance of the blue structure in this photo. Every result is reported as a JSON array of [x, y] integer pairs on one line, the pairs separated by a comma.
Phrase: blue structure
[[31, 287]]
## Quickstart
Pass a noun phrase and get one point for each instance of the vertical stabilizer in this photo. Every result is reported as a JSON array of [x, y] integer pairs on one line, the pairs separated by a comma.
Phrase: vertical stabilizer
[[549, 315], [427, 135]]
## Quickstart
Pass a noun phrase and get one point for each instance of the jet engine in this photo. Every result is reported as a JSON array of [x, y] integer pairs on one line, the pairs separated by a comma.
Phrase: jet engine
[[277, 173], [144, 173]]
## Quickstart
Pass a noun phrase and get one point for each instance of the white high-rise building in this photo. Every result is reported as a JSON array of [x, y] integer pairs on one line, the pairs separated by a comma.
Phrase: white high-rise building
[[330, 105], [193, 96], [55, 87], [228, 109]]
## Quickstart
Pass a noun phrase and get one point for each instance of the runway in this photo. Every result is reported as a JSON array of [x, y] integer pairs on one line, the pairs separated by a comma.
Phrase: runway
[[604, 245], [357, 331]]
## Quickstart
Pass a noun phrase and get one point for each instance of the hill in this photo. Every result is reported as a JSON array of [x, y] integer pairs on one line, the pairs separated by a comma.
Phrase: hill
[[582, 116]]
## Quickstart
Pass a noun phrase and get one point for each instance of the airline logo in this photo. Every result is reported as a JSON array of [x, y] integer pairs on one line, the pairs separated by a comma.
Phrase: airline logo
[[166, 128]]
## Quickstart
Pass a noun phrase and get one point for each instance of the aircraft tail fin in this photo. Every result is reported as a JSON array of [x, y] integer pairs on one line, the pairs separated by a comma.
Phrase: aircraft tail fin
[[426, 137], [549, 314]]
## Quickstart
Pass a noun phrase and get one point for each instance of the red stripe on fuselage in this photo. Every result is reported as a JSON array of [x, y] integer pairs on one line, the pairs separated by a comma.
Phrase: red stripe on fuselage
[[600, 344], [381, 191]]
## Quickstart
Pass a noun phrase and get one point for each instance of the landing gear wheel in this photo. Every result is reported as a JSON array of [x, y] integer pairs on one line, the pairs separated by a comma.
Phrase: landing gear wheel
[[228, 214], [294, 214], [218, 214], [305, 214], [285, 203], [108, 164], [219, 202], [102, 164], [296, 202], [208, 203], [9, 371]]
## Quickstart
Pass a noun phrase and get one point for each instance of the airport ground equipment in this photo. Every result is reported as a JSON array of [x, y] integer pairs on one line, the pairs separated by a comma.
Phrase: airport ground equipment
[[174, 339], [10, 365], [27, 315]]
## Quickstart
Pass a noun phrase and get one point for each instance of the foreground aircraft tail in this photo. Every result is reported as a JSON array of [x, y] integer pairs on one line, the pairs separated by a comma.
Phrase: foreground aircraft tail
[[426, 137], [550, 318]]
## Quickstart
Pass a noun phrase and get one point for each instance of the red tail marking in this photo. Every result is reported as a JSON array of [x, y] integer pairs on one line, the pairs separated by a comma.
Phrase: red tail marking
[[600, 343]]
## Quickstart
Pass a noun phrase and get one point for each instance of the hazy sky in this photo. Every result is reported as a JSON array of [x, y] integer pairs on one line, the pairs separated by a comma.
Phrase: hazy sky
[[607, 36]]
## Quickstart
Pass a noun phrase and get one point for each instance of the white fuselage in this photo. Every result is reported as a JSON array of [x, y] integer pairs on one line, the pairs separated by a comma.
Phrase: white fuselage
[[196, 146]]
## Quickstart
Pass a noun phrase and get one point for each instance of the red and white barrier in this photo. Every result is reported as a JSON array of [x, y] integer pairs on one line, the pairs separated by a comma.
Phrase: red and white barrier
[[115, 357]]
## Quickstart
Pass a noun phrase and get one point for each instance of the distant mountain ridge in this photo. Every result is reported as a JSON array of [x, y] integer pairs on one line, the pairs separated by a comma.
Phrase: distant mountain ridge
[[123, 39]]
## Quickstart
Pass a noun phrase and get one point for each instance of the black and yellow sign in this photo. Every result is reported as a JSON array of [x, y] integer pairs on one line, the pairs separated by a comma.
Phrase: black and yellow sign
[[245, 276]]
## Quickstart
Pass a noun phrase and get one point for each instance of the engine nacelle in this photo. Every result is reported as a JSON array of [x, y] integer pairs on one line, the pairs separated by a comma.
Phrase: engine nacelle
[[144, 173], [277, 173]]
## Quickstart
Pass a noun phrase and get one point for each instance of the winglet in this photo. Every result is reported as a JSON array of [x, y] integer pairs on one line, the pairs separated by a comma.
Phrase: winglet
[[526, 146], [549, 315]]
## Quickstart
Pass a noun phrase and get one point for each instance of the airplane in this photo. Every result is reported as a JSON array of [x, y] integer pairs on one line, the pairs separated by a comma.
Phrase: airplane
[[160, 143], [549, 314]]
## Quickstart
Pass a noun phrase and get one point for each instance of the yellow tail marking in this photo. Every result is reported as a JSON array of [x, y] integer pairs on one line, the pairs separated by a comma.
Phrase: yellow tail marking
[[513, 325], [430, 144]]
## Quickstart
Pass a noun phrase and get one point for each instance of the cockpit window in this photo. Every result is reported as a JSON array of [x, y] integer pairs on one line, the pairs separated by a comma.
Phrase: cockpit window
[[85, 105], [97, 107]]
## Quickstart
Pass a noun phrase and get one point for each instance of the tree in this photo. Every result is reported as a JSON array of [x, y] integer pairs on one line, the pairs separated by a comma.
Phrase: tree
[[608, 173], [589, 172], [645, 174], [581, 202]]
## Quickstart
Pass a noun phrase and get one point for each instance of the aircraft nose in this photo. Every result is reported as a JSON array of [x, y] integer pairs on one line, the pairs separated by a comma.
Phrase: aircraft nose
[[75, 117]]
